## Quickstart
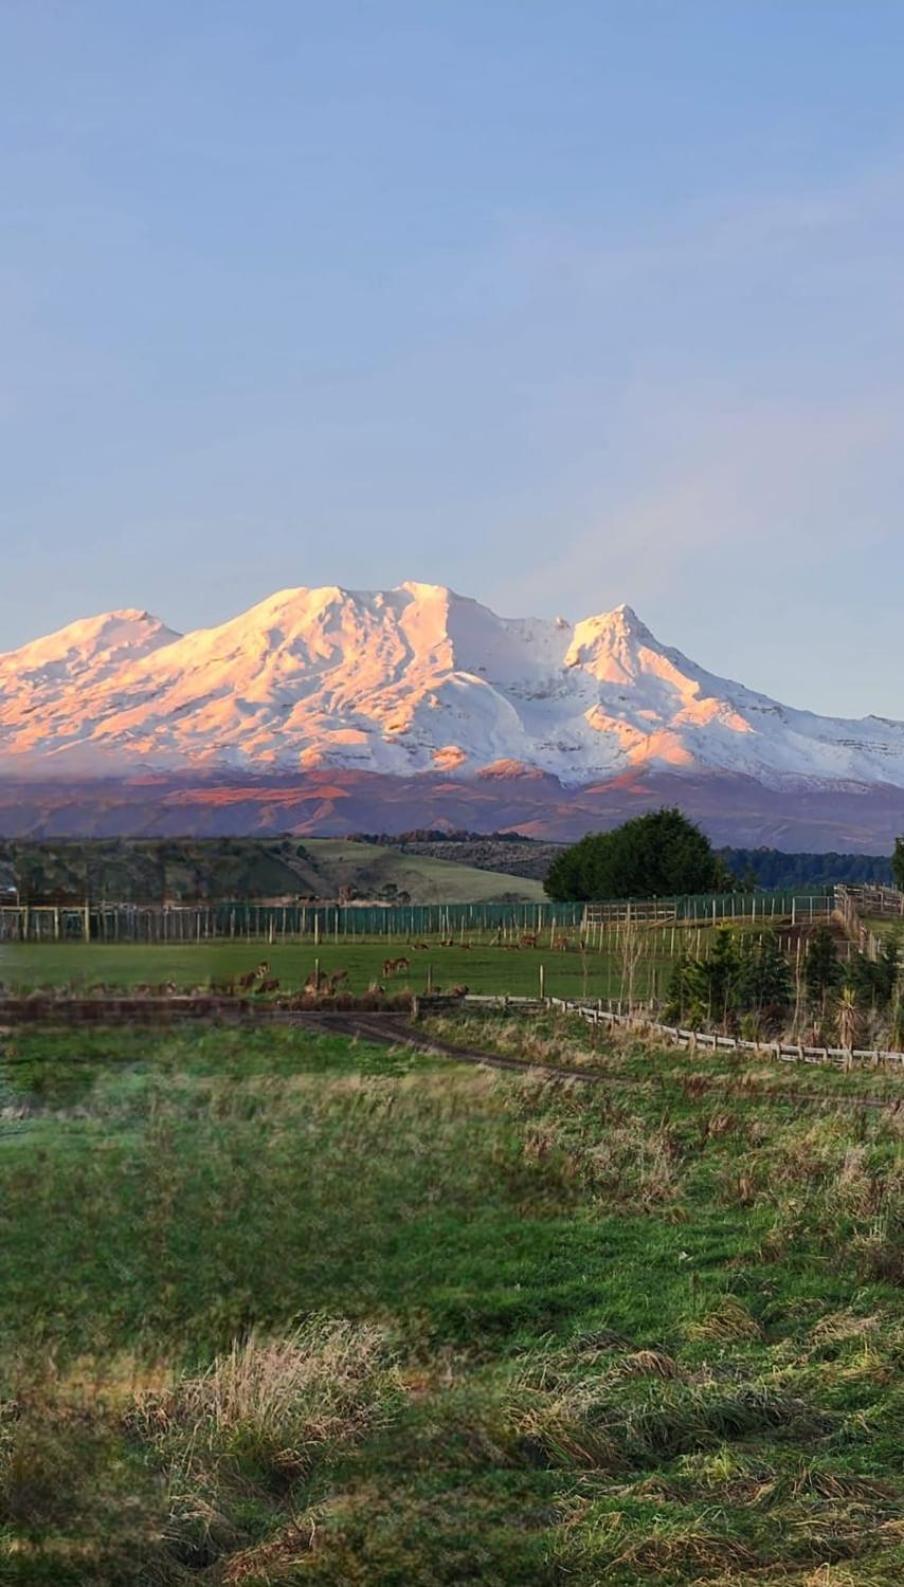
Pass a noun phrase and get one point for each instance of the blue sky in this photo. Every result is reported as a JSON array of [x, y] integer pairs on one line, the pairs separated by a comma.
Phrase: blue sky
[[560, 303]]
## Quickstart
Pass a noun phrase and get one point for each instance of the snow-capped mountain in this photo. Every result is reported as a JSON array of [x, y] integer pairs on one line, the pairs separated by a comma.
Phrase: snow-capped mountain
[[410, 680]]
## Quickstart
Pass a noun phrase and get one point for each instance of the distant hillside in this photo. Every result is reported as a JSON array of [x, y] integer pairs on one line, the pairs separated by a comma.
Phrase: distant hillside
[[426, 878], [521, 856], [142, 871], [419, 866], [506, 852]]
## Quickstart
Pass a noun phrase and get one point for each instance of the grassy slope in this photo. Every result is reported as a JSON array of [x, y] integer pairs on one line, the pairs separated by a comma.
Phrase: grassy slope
[[644, 1334], [368, 867], [246, 868]]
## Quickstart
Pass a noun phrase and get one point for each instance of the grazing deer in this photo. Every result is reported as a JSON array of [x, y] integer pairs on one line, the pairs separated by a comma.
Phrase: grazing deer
[[460, 991], [268, 984], [246, 981], [336, 980], [529, 939], [315, 982], [421, 947], [395, 966]]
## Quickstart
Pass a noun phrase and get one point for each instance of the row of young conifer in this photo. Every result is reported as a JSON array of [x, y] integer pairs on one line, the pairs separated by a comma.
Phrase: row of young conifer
[[748, 983]]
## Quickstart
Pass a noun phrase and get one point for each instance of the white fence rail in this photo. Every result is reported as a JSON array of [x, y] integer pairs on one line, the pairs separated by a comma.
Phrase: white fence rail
[[785, 1052], [706, 1041]]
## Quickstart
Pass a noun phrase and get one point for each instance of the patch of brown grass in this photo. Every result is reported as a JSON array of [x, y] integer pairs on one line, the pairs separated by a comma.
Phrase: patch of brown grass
[[727, 1323]]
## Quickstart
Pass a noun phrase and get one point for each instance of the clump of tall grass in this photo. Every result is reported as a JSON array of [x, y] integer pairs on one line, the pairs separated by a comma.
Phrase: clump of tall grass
[[284, 1396], [255, 1422], [727, 1323], [879, 1249]]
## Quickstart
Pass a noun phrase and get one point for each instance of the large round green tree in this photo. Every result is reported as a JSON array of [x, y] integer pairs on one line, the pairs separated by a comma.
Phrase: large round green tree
[[654, 856]]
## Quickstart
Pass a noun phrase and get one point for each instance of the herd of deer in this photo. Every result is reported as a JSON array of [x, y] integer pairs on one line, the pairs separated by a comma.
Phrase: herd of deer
[[259, 980], [320, 984]]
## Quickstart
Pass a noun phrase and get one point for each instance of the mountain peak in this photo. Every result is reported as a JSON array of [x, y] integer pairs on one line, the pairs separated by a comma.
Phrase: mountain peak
[[624, 620], [422, 591], [118, 630], [625, 613], [411, 679]]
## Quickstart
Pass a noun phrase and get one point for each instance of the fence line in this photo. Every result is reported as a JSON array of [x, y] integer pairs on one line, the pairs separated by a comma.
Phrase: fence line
[[272, 921], [786, 1052], [763, 908], [594, 1013], [276, 920]]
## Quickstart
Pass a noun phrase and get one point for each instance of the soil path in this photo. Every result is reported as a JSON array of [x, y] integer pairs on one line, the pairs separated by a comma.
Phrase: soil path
[[393, 1031]]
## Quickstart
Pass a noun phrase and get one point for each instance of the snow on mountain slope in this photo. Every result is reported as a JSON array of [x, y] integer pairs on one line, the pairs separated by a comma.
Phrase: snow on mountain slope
[[405, 680], [42, 683]]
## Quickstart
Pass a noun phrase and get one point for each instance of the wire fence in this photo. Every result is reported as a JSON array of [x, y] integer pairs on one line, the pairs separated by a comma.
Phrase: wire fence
[[238, 919]]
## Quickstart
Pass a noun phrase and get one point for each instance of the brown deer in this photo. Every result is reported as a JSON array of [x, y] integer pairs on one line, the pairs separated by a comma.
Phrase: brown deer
[[336, 980], [246, 981], [460, 991], [315, 982], [529, 939], [395, 966], [268, 984]]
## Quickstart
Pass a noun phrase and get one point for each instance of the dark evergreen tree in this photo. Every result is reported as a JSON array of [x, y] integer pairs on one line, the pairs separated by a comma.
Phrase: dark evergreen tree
[[764, 986], [873, 981], [822, 971], [688, 995], [658, 855], [721, 970]]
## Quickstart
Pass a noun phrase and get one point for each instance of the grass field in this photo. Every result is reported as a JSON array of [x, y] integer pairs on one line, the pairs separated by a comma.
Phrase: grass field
[[429, 879], [284, 1309], [482, 968]]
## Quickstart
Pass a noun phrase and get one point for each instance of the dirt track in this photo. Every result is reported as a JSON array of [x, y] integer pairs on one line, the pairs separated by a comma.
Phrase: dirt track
[[393, 1031], [389, 1028], [396, 1032]]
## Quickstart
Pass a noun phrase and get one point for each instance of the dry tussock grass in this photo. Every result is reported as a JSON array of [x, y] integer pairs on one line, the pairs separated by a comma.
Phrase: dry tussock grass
[[727, 1323], [648, 1363], [633, 1163], [839, 1326], [274, 1560], [321, 1382]]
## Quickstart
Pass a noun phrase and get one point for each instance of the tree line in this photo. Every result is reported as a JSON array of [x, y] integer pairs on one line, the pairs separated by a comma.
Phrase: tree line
[[663, 854]]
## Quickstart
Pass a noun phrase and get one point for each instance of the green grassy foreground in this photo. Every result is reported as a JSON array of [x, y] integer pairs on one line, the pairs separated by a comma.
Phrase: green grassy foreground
[[284, 1309]]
